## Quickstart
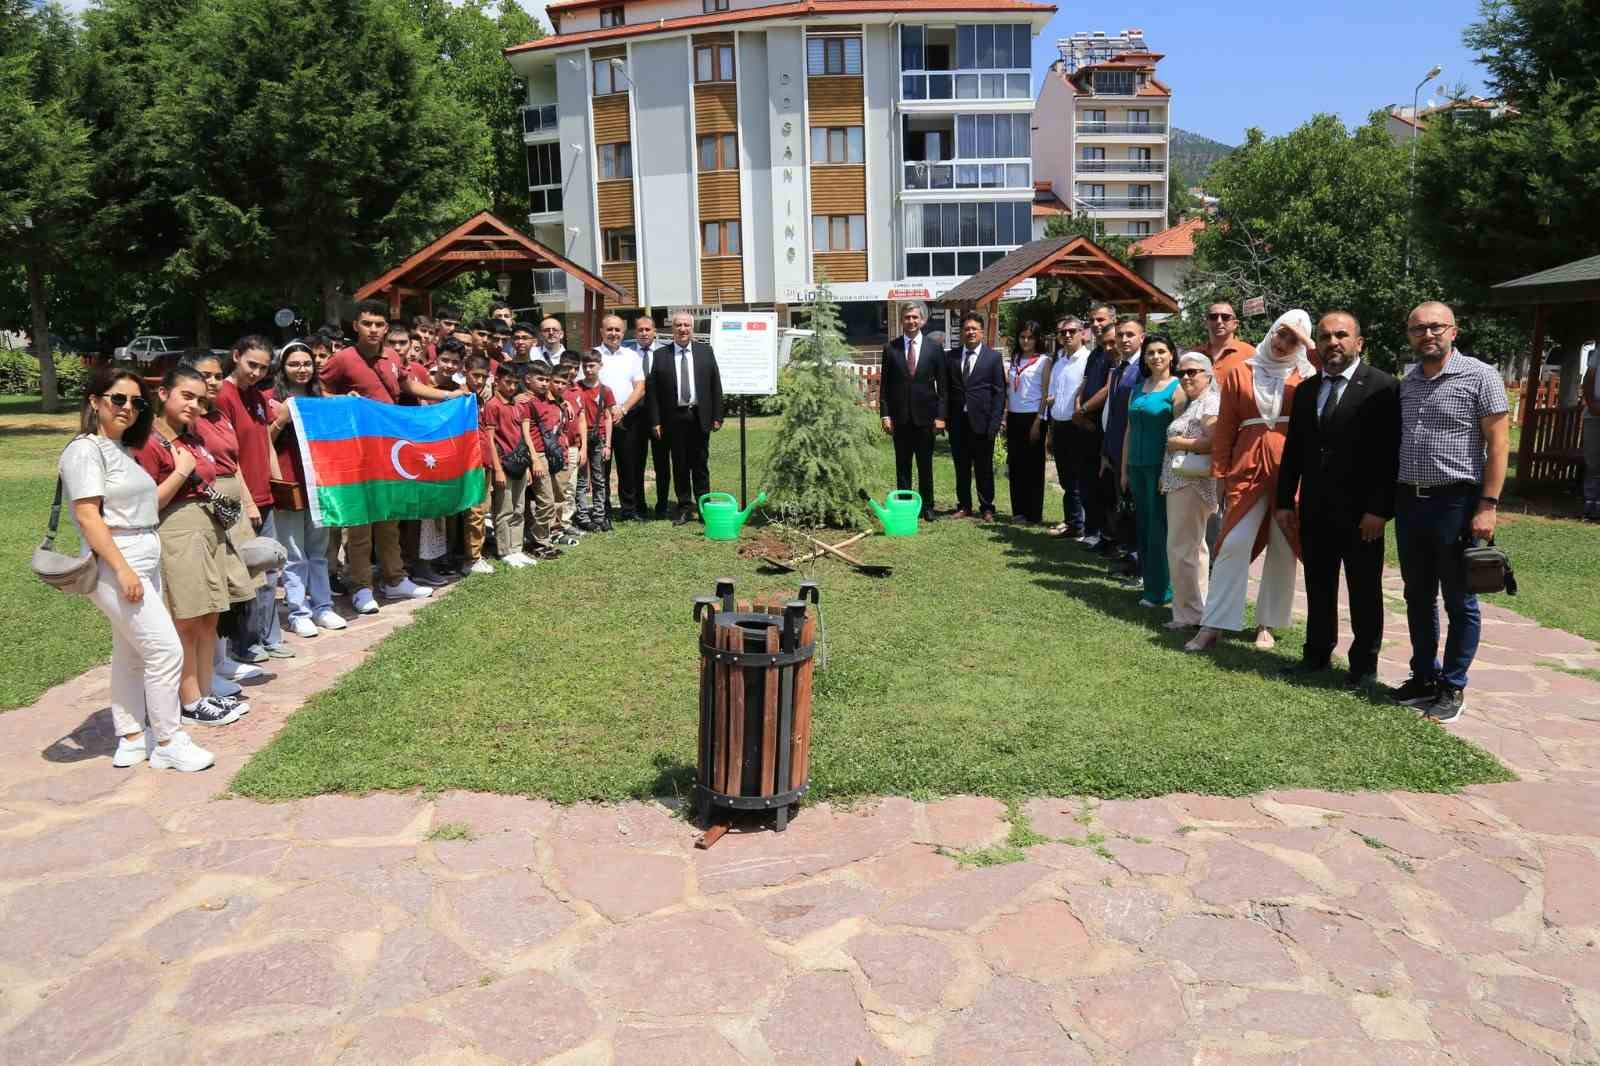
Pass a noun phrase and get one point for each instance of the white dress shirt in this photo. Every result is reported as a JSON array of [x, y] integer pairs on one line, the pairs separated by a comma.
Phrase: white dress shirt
[[1327, 385], [620, 371], [1066, 381], [683, 365]]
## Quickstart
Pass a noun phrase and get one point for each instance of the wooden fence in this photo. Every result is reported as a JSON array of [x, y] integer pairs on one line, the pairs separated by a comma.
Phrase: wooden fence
[[1551, 448]]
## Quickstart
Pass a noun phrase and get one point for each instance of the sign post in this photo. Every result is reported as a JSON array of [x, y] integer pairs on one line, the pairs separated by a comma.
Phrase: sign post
[[746, 344]]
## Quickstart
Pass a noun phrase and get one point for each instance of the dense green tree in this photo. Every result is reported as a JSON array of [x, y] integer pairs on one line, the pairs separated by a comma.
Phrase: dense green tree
[[824, 449], [44, 184], [1181, 203]]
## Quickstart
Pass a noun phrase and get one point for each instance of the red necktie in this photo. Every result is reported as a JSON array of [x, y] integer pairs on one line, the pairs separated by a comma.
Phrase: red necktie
[[911, 358]]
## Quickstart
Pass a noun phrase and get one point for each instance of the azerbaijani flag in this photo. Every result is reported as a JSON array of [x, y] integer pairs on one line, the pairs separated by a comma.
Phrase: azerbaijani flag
[[376, 462]]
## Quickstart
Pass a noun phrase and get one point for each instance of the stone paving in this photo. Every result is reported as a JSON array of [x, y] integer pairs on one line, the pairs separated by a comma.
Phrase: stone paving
[[144, 920]]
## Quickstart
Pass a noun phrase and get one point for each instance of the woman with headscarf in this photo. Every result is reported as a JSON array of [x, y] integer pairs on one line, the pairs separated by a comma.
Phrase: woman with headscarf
[[1190, 491], [1246, 451]]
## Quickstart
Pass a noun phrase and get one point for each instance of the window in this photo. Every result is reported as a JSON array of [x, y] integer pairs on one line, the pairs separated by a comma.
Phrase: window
[[620, 246], [611, 16], [608, 77], [839, 233], [993, 136], [719, 238], [833, 55], [712, 6], [1092, 192], [544, 178], [616, 161], [1140, 195], [837, 144], [1138, 229], [1139, 116], [713, 62], [1094, 116], [1001, 224], [718, 151], [1093, 154], [1113, 82], [1140, 154]]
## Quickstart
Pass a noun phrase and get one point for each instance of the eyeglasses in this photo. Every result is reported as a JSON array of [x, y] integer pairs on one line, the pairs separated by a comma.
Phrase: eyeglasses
[[1192, 371], [122, 399], [1432, 329], [1218, 316]]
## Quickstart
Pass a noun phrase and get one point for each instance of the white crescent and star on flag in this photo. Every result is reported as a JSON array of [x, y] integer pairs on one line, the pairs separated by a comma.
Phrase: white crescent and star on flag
[[428, 460]]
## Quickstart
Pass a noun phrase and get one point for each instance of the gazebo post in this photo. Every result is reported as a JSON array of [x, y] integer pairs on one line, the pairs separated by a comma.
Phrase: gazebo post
[[1530, 395], [393, 292], [427, 303]]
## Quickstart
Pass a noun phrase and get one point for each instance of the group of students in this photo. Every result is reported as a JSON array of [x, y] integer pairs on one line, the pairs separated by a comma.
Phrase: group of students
[[168, 487], [1185, 466]]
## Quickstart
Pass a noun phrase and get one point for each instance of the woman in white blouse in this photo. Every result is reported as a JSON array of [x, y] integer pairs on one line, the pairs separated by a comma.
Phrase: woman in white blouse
[[114, 508], [1025, 422], [1191, 491]]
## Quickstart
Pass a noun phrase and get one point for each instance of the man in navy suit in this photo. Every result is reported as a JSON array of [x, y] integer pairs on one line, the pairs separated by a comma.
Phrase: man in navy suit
[[646, 343], [975, 411], [909, 401]]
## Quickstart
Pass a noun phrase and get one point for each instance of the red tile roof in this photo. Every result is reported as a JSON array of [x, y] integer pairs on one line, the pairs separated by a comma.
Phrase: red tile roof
[[797, 9], [1045, 201], [1176, 241]]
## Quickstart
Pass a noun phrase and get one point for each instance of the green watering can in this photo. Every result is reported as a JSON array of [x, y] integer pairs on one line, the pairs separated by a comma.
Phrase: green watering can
[[720, 512], [898, 513]]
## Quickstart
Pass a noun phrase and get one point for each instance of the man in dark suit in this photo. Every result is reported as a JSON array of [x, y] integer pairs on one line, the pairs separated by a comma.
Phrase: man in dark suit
[[975, 411], [909, 401], [646, 343], [1342, 454], [685, 397]]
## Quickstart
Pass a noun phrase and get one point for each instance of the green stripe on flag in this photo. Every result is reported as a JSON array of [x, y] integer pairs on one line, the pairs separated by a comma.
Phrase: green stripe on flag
[[388, 501]]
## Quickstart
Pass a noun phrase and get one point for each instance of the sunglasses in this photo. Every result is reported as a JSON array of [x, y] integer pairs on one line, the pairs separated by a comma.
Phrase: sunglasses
[[1190, 372], [1215, 316], [122, 399]]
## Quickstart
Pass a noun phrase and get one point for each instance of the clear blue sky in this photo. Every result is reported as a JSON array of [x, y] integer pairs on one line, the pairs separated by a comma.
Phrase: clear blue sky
[[1274, 64]]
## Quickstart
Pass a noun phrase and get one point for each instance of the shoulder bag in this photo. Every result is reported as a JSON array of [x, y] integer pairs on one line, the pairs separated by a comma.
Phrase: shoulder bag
[[1488, 568], [1194, 465], [515, 463], [76, 574]]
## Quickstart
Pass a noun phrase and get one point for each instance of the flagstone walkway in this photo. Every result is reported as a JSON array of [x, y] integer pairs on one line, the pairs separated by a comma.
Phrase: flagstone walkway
[[142, 921]]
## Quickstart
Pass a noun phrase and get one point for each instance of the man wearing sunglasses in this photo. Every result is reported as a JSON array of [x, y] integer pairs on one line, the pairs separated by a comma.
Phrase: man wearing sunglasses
[[1222, 347]]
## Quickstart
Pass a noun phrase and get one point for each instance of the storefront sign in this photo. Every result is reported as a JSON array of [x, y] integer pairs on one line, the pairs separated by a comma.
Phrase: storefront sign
[[883, 291]]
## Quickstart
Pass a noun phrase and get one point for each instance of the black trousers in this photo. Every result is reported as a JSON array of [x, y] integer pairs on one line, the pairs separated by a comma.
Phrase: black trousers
[[1025, 466], [661, 460], [1089, 487], [691, 454], [1066, 444], [628, 444], [1325, 543], [974, 457], [914, 442]]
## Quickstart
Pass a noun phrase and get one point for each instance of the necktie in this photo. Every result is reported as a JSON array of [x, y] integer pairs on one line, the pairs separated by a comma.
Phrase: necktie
[[1335, 390], [966, 365], [911, 357], [683, 378]]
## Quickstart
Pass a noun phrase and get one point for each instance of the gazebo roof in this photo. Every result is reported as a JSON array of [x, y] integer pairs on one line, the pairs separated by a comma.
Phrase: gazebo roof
[[482, 242], [1079, 260], [1576, 282]]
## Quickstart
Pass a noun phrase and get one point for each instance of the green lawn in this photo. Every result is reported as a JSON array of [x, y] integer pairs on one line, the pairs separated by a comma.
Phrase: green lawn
[[48, 635], [1557, 563], [994, 661]]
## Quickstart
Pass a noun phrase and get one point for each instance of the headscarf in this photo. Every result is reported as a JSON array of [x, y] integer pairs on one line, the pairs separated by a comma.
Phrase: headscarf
[[1270, 373]]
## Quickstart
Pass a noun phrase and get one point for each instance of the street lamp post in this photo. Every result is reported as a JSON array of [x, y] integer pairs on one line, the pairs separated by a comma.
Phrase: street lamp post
[[1411, 195]]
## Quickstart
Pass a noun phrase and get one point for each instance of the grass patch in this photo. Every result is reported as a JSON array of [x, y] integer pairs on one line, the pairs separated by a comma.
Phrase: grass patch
[[451, 831], [1022, 834], [998, 855], [49, 636], [995, 661], [1575, 671]]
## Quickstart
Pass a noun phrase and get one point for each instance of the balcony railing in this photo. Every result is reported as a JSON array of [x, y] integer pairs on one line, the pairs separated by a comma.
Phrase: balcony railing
[[1093, 128], [964, 86], [1121, 166], [1120, 203], [941, 176], [538, 118]]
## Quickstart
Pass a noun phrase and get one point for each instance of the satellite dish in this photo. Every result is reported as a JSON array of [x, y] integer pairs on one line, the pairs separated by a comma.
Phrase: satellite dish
[[284, 318]]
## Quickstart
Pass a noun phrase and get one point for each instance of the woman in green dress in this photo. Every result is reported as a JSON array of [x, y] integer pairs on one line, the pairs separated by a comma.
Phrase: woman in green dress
[[1151, 409]]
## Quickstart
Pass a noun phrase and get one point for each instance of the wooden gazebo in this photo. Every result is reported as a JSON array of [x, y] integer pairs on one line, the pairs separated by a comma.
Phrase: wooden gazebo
[[1549, 447], [484, 242], [1076, 259]]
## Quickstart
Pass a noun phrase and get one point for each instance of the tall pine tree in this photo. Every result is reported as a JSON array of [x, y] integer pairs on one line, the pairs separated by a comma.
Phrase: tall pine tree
[[824, 452]]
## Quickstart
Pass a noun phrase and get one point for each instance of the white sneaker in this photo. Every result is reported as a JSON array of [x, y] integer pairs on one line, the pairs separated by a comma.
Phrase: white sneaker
[[221, 686], [237, 671], [363, 602], [519, 560], [303, 627], [482, 566], [329, 620], [130, 752], [406, 589], [1091, 542], [180, 753]]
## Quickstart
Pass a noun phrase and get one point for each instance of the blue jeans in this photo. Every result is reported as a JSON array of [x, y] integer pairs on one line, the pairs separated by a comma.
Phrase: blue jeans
[[305, 578], [1431, 533]]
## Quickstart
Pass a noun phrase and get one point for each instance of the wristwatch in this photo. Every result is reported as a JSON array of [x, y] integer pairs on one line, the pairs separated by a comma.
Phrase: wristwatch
[[1492, 501]]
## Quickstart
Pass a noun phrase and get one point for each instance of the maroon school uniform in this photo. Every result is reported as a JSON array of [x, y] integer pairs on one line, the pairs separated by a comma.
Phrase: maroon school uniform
[[548, 415], [596, 399], [504, 418], [216, 432], [159, 464], [573, 402], [346, 372], [247, 410]]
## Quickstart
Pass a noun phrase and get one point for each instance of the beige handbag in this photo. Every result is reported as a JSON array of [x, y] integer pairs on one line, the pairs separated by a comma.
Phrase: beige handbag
[[68, 573]]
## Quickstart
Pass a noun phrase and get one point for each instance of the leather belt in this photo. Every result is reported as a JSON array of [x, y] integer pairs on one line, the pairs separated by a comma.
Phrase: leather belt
[[1449, 489]]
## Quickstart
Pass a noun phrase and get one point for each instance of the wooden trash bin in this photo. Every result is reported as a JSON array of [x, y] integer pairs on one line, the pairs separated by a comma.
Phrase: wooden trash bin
[[755, 701]]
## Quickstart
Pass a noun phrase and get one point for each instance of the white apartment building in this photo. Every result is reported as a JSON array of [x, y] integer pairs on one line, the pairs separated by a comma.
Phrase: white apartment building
[[1101, 130], [733, 152]]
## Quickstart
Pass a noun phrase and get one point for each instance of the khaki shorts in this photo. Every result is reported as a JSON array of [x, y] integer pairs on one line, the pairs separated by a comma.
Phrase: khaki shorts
[[197, 566], [242, 586]]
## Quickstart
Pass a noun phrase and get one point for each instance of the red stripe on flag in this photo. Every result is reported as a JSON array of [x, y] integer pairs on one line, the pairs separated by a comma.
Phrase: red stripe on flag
[[348, 462]]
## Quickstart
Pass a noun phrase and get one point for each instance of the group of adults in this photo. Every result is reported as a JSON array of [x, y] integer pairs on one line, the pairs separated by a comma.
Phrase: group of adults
[[170, 486], [1185, 466]]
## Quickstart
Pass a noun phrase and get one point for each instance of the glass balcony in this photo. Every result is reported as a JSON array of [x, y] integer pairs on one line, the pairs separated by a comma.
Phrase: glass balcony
[[1121, 166], [963, 86], [538, 119], [942, 176], [1120, 203], [1158, 129]]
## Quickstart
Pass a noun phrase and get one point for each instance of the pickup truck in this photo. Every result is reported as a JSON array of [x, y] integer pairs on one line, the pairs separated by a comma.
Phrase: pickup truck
[[149, 348]]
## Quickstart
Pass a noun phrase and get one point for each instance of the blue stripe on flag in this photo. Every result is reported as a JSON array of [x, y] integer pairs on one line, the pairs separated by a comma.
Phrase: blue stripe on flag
[[347, 417]]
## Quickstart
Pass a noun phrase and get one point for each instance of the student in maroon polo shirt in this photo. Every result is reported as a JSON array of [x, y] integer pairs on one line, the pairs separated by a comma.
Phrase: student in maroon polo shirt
[[544, 415], [370, 370], [593, 484], [507, 421]]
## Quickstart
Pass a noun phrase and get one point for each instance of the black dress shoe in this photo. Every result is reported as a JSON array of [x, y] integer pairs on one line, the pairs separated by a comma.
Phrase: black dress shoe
[[1367, 682], [337, 586], [928, 514], [680, 519], [424, 574], [1303, 668], [986, 515], [663, 512]]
